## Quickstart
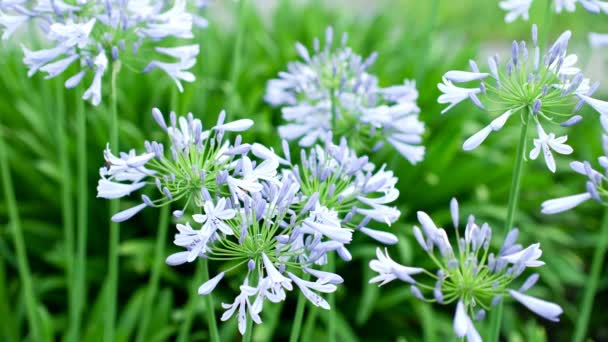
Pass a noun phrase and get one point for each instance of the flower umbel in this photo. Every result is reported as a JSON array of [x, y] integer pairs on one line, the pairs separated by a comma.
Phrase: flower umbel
[[546, 88], [521, 8], [331, 93], [470, 275], [90, 34], [197, 162]]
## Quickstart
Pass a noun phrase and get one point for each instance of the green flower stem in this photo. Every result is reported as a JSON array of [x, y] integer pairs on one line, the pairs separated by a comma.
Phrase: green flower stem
[[157, 265], [512, 207], [248, 332], [331, 322], [311, 319], [15, 225], [67, 214], [236, 59], [594, 278], [111, 299], [297, 321], [210, 312], [189, 313], [82, 213]]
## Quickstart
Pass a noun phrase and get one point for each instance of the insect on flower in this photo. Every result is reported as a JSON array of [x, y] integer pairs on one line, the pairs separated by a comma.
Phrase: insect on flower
[[469, 275]]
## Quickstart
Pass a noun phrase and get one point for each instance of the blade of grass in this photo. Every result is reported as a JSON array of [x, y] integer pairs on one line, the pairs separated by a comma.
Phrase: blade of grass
[[157, 265], [15, 225], [82, 219], [67, 214]]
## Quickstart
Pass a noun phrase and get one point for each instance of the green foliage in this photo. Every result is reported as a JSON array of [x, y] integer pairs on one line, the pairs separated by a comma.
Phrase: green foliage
[[412, 42]]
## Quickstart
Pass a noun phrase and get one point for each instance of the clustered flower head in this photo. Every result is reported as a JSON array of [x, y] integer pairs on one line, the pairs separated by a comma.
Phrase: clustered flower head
[[267, 224], [521, 8], [344, 193], [548, 88], [596, 186], [331, 92], [197, 161], [93, 33], [469, 275]]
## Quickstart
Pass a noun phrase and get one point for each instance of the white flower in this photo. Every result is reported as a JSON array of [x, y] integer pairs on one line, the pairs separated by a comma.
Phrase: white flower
[[110, 190], [307, 286], [463, 325], [453, 94], [210, 284], [516, 9], [325, 221], [548, 143], [599, 105], [547, 310], [528, 257], [11, 23], [458, 76], [389, 270], [94, 91], [476, 139], [215, 216], [128, 213], [598, 40], [559, 205], [244, 306]]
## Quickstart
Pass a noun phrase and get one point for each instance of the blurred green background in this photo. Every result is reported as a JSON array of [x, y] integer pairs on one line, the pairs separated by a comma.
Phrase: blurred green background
[[415, 39]]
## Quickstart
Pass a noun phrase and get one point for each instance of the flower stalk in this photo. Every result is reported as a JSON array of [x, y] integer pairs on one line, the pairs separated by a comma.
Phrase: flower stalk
[[114, 238], [594, 277]]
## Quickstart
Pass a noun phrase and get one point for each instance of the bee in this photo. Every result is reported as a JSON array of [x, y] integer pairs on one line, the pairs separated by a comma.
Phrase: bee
[[108, 164]]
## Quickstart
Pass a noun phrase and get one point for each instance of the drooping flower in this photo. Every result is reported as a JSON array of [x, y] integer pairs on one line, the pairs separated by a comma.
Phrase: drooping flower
[[544, 89], [596, 186], [331, 93], [471, 276], [197, 164], [94, 34], [521, 8]]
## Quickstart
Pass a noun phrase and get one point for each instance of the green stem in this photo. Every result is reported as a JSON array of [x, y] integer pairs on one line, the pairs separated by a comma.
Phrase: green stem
[[512, 207], [15, 224], [297, 321], [82, 213], [189, 313], [67, 215], [158, 263], [310, 322], [594, 278], [331, 322], [209, 308], [428, 41], [111, 298], [236, 59]]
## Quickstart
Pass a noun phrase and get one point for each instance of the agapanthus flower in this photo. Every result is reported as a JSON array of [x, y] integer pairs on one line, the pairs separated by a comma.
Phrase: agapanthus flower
[[341, 193], [521, 8], [598, 40], [546, 89], [331, 92], [255, 239], [596, 186], [468, 275], [197, 161], [93, 34]]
